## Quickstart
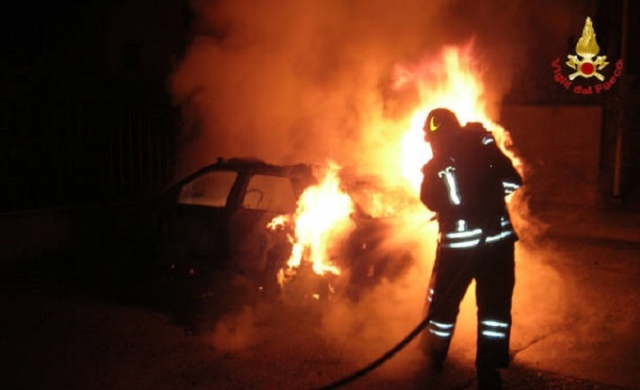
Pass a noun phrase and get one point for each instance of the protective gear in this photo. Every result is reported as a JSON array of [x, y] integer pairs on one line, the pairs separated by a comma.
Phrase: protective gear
[[465, 184], [489, 379], [441, 129], [441, 120], [493, 268]]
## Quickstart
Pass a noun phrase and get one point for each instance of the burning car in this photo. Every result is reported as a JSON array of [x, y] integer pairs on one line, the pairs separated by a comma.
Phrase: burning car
[[250, 220]]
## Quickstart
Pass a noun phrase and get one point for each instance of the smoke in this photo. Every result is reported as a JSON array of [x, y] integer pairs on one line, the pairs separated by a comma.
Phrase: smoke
[[293, 81], [235, 331]]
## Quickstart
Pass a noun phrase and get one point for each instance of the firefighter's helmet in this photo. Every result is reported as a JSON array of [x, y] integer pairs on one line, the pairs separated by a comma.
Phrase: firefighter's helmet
[[441, 128], [439, 121]]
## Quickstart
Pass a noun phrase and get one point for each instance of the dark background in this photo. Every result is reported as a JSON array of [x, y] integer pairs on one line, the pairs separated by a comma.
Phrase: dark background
[[86, 116]]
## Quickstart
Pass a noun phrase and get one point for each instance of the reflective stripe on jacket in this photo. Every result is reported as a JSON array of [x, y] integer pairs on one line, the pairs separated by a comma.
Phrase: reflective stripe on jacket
[[467, 188], [465, 236]]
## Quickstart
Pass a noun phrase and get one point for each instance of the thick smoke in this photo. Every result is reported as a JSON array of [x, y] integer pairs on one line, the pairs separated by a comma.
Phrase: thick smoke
[[293, 81]]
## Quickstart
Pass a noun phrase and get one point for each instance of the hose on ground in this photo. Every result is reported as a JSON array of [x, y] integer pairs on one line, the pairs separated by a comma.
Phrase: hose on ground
[[378, 362], [400, 345]]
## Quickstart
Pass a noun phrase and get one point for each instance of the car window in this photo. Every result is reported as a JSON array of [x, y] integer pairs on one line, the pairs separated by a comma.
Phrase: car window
[[211, 189], [270, 193]]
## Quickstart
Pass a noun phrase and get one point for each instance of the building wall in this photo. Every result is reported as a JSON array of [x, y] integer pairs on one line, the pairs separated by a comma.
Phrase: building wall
[[560, 149]]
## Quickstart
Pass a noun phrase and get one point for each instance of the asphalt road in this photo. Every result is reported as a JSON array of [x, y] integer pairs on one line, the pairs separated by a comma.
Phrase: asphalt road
[[576, 326]]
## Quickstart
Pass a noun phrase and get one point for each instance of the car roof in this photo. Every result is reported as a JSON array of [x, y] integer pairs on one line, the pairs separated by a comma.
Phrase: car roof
[[301, 171]]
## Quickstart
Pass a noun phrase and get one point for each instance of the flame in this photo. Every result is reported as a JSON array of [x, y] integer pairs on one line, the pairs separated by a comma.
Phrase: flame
[[451, 81], [322, 218], [278, 223]]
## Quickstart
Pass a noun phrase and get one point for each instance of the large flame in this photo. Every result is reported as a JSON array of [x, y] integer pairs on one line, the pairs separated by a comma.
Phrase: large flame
[[322, 218], [451, 81]]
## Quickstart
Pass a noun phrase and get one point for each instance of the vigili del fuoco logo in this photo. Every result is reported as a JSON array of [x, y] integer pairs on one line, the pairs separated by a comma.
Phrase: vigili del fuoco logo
[[586, 65]]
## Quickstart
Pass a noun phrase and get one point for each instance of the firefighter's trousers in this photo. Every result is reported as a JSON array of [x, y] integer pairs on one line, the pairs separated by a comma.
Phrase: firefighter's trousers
[[493, 268]]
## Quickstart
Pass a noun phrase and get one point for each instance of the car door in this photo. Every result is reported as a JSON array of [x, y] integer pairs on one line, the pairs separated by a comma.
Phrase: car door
[[258, 251], [196, 220]]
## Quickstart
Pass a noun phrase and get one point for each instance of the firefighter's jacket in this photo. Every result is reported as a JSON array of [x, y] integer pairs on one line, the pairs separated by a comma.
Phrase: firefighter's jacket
[[466, 188]]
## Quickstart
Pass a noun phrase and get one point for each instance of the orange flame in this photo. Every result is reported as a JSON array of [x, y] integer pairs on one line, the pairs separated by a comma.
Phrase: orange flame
[[278, 223], [452, 81], [321, 220]]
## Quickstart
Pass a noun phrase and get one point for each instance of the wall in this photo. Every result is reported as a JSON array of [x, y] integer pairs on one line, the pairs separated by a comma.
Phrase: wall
[[560, 146]]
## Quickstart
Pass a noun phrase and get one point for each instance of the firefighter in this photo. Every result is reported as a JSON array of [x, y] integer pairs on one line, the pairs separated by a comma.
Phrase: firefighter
[[465, 184]]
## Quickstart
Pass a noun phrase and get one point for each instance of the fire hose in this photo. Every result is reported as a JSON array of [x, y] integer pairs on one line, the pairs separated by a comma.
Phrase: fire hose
[[397, 348], [378, 362]]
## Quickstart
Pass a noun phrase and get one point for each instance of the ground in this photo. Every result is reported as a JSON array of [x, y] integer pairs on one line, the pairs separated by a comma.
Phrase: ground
[[576, 324]]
